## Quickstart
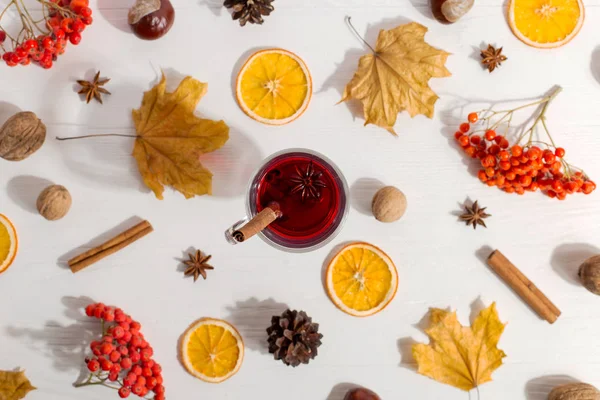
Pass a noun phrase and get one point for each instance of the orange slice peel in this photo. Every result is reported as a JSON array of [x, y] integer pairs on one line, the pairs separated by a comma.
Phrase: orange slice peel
[[9, 243], [546, 24], [361, 279], [274, 86], [212, 350]]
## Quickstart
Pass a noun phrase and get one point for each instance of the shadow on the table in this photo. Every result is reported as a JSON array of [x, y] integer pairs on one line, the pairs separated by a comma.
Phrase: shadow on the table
[[24, 190], [362, 192], [233, 164], [595, 64], [65, 345], [215, 6], [117, 17], [539, 388], [63, 261], [423, 7], [7, 110], [339, 391], [252, 317], [567, 258]]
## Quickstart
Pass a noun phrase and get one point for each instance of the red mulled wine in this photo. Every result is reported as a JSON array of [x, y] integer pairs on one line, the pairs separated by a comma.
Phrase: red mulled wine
[[311, 195]]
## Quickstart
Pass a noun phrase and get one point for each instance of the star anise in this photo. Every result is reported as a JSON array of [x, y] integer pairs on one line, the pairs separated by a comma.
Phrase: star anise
[[474, 215], [197, 265], [492, 57], [308, 182], [93, 89]]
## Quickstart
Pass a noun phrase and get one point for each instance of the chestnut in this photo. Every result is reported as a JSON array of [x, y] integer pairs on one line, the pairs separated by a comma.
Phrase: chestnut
[[151, 19], [361, 394], [450, 11]]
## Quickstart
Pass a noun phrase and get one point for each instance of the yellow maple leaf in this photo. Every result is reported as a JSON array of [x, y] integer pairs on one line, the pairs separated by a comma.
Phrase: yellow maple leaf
[[396, 76], [171, 139], [14, 385], [463, 357]]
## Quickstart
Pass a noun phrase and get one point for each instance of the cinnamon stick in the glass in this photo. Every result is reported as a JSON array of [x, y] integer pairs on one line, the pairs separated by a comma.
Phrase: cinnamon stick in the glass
[[113, 245], [514, 278], [258, 223]]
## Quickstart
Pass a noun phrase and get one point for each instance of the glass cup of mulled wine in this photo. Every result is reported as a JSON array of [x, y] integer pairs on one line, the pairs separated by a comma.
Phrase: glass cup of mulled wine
[[309, 195]]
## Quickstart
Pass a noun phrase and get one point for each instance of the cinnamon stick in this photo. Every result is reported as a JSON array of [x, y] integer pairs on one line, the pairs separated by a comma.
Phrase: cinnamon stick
[[258, 223], [109, 247], [514, 278]]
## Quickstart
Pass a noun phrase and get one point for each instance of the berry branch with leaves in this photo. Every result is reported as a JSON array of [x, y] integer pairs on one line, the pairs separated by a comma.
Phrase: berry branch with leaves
[[526, 165], [122, 359], [43, 39]]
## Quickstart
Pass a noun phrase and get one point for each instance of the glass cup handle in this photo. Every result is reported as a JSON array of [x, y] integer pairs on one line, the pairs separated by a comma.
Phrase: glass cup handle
[[229, 232]]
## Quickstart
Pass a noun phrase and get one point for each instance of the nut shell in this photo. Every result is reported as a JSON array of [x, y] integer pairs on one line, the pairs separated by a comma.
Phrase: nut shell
[[361, 394], [453, 10], [54, 202], [154, 24], [589, 273], [21, 136], [574, 391], [389, 204]]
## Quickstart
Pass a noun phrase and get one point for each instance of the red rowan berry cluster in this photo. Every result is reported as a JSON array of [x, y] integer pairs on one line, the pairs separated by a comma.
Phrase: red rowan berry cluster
[[517, 168], [44, 40], [122, 358]]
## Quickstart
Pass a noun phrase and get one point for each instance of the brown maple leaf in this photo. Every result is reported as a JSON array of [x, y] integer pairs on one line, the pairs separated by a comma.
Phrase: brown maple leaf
[[395, 77], [171, 139], [14, 385]]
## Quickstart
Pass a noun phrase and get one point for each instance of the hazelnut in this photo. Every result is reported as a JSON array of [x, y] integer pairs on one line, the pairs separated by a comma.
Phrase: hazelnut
[[574, 391], [361, 394], [589, 273], [21, 136], [151, 19], [389, 204], [54, 202]]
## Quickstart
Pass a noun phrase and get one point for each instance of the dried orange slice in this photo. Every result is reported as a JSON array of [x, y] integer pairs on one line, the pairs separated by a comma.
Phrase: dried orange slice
[[212, 350], [274, 87], [9, 243], [546, 23], [361, 279]]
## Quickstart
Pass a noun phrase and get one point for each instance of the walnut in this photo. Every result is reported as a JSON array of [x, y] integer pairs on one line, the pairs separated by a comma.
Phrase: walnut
[[21, 136], [389, 204], [54, 202], [574, 391], [589, 273]]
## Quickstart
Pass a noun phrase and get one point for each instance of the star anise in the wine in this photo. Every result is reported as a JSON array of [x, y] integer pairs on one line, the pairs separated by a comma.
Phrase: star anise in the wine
[[492, 57], [93, 89], [307, 182], [475, 215], [197, 265]]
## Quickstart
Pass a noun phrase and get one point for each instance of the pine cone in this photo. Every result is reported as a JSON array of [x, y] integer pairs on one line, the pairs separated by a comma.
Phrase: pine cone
[[293, 338], [250, 10]]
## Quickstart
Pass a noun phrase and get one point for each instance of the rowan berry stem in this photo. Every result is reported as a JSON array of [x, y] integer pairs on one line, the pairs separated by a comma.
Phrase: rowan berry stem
[[100, 381]]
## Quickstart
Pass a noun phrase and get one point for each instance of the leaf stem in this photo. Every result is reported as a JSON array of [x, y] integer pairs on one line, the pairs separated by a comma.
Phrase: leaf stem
[[349, 22], [92, 136]]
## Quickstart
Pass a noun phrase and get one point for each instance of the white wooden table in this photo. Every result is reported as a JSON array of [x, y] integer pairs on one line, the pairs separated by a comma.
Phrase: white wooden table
[[43, 328]]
